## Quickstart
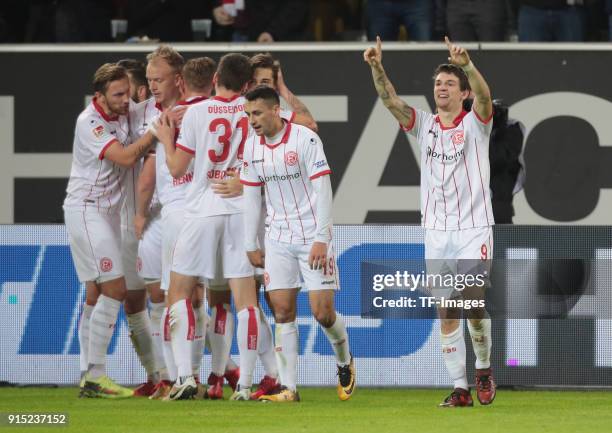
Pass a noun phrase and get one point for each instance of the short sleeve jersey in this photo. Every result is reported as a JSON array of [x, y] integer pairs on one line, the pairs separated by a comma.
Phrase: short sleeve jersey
[[141, 116], [214, 131], [171, 191], [455, 171], [96, 184], [286, 170]]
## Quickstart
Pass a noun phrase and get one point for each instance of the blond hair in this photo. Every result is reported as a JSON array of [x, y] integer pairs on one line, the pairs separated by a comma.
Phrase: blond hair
[[169, 55], [198, 73]]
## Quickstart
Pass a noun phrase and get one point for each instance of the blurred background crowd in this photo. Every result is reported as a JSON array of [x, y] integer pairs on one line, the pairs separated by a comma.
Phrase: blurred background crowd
[[42, 21]]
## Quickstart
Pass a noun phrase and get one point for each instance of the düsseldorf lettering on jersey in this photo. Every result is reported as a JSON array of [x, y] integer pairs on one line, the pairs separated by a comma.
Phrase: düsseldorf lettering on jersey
[[214, 131]]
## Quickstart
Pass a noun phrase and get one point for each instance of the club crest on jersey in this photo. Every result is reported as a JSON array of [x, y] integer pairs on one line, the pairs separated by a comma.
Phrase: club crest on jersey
[[106, 264], [457, 137], [291, 158], [98, 131]]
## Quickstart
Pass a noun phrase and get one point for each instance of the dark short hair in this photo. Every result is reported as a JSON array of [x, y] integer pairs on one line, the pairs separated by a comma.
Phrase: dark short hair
[[106, 74], [198, 73], [266, 93], [449, 68], [266, 61], [136, 69], [234, 71]]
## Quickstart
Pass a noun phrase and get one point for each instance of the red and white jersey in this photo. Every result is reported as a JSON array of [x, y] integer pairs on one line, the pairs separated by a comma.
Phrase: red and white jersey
[[96, 184], [214, 131], [286, 169], [140, 117], [455, 171], [170, 191]]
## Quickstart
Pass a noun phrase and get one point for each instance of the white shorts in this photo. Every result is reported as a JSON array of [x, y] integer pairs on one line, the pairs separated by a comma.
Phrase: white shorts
[[205, 241], [150, 251], [95, 244], [129, 255], [287, 266], [458, 253]]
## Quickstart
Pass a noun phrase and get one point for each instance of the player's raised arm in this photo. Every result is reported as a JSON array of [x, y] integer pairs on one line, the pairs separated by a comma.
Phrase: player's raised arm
[[177, 159], [482, 94], [302, 114], [400, 110]]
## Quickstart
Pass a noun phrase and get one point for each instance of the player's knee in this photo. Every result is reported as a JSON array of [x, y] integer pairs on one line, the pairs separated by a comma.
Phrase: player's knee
[[448, 326], [284, 314], [325, 316]]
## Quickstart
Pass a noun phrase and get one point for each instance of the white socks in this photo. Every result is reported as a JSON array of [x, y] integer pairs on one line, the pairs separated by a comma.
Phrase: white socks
[[198, 341], [101, 327], [338, 338], [167, 346], [156, 313], [287, 342], [266, 347], [453, 352], [248, 344], [84, 336], [481, 341], [220, 333], [182, 331], [140, 334]]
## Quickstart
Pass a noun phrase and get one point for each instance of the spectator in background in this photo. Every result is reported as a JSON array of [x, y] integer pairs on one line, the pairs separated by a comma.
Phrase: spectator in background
[[551, 21], [384, 18], [83, 20], [261, 20], [476, 20], [166, 20]]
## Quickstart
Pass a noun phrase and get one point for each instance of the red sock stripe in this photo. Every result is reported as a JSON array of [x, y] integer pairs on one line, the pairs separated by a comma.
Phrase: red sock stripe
[[252, 330], [220, 320], [167, 325], [190, 321]]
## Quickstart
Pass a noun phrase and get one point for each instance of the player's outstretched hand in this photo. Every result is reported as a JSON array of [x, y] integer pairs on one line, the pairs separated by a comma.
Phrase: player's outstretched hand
[[373, 55], [256, 258], [457, 55], [228, 188], [165, 129], [318, 256], [177, 114]]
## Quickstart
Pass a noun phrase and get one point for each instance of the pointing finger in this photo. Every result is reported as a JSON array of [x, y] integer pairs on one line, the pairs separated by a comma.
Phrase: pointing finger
[[378, 44], [447, 41]]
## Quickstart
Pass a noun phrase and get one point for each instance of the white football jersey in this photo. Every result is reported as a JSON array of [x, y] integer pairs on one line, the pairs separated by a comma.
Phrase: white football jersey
[[96, 184], [214, 131], [170, 191], [286, 169], [455, 171]]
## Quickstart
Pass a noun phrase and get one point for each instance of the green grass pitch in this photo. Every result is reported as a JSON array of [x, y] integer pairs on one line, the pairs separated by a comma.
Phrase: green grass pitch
[[370, 410]]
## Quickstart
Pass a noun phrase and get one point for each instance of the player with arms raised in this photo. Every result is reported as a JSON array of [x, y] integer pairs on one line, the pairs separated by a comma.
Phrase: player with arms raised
[[455, 201]]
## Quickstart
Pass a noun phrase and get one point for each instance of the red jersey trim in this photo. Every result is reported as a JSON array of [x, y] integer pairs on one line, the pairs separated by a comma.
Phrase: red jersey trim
[[158, 106], [284, 140], [102, 113], [222, 99], [192, 101], [409, 127], [246, 182], [186, 149], [322, 173], [292, 117], [105, 148], [456, 122], [485, 121]]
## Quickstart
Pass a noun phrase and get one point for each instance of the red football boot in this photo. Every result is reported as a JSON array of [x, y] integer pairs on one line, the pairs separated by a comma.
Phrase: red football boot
[[458, 398], [485, 386]]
